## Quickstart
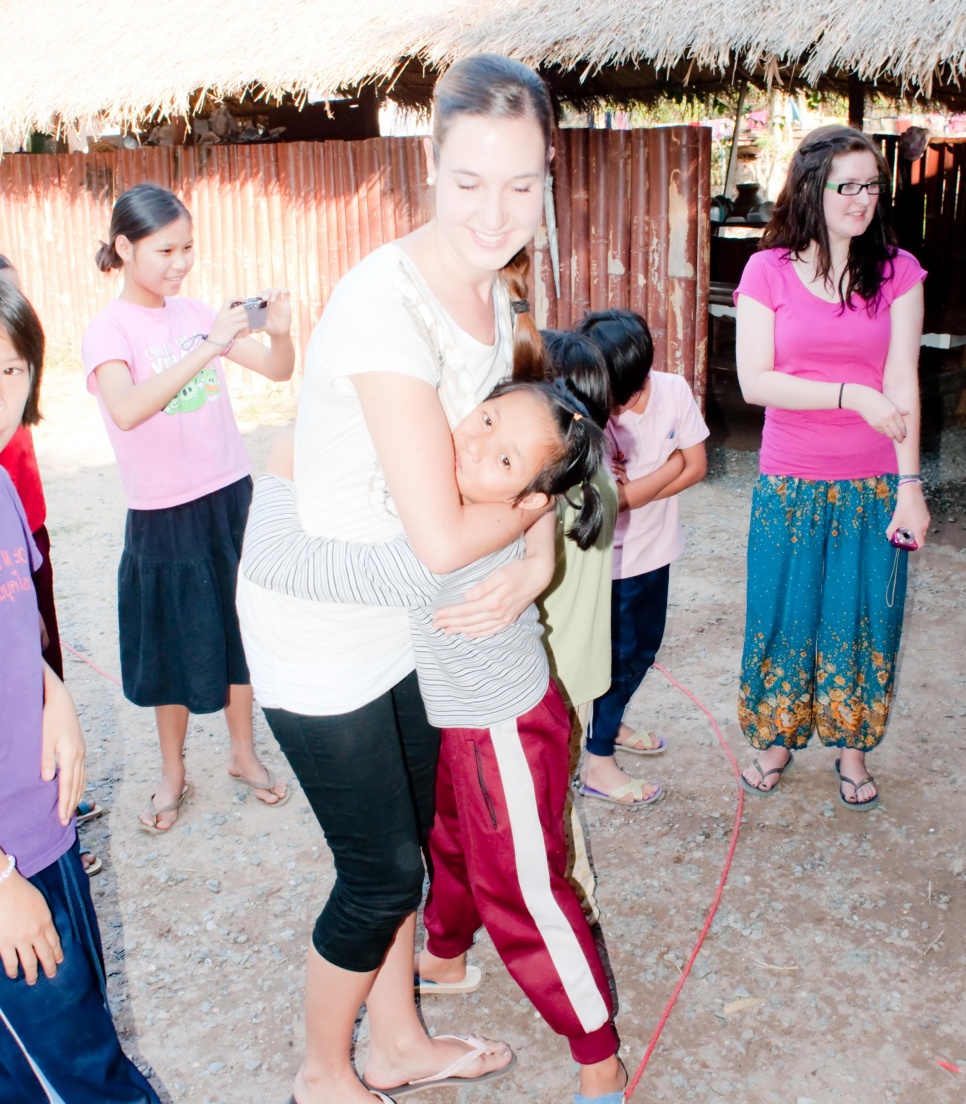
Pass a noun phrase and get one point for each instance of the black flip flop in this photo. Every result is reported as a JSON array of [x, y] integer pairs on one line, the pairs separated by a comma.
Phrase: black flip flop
[[746, 785], [856, 806]]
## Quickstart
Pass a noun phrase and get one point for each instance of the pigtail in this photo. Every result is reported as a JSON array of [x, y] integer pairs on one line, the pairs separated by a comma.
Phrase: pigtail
[[590, 518], [107, 258], [528, 358]]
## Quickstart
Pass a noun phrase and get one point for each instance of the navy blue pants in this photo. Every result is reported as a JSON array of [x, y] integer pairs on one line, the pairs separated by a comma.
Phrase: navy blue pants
[[57, 1039], [638, 613]]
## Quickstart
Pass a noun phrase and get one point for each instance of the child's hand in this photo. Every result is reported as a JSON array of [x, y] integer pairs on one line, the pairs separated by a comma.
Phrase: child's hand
[[27, 932], [230, 322], [62, 746], [279, 311], [619, 469]]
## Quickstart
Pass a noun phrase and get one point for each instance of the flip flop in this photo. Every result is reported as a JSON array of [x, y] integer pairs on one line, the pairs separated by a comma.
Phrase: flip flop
[[856, 806], [373, 1092], [635, 788], [268, 785], [95, 867], [746, 785], [87, 810], [469, 983], [609, 1098], [152, 811], [449, 1076], [649, 744]]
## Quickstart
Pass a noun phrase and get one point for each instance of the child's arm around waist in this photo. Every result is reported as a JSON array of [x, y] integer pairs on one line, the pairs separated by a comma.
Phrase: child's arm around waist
[[279, 555], [695, 469]]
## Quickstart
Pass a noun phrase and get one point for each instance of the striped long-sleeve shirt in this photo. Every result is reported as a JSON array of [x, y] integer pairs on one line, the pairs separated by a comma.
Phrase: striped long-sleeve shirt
[[464, 683]]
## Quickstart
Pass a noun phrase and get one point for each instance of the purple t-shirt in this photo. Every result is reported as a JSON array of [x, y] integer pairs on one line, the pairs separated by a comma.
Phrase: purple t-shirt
[[29, 828], [190, 448], [817, 340]]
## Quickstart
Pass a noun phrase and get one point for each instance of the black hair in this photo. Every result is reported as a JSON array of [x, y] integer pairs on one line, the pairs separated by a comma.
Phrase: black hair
[[5, 262], [20, 323], [798, 218], [139, 212], [495, 87], [625, 343], [575, 359], [575, 462]]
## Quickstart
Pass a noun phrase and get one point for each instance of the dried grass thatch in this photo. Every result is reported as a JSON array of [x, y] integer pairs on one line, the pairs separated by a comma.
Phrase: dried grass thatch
[[72, 62]]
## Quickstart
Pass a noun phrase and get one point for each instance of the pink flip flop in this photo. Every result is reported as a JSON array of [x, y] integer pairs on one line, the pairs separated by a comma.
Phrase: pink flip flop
[[449, 1076]]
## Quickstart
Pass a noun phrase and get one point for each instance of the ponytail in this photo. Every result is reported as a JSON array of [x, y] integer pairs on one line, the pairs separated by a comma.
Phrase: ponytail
[[106, 258], [590, 517], [528, 354]]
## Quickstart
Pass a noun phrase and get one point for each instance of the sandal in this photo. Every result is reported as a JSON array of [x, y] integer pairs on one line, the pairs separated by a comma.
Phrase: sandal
[[856, 806], [757, 790], [152, 811], [268, 785], [634, 788], [468, 983], [448, 1076], [87, 810], [643, 743], [94, 867]]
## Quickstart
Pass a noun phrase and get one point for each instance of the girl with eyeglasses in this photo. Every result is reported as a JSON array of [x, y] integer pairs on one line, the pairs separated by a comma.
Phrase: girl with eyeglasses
[[829, 323]]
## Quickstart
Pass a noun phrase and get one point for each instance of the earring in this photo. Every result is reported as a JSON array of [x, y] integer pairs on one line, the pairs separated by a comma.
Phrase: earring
[[431, 180]]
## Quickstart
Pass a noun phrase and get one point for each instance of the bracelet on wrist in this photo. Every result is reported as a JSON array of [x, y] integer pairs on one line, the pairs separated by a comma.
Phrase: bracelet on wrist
[[841, 391], [909, 479], [217, 344], [11, 867]]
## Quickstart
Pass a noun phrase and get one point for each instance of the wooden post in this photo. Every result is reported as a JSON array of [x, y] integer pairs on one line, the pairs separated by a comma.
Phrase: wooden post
[[733, 156], [856, 102]]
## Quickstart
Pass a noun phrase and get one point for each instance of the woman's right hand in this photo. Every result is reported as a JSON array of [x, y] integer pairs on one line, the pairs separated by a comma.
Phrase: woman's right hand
[[230, 322], [879, 411], [27, 932]]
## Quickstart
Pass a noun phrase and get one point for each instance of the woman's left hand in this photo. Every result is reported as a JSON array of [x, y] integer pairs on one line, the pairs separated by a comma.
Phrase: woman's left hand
[[279, 311], [910, 513], [496, 602]]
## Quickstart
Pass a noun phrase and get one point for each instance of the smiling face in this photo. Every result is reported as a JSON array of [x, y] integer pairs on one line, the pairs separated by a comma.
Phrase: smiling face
[[502, 445], [14, 389], [847, 217], [489, 188], [156, 265]]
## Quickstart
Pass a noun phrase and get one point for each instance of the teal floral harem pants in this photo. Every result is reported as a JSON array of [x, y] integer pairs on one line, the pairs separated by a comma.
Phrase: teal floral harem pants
[[824, 612]]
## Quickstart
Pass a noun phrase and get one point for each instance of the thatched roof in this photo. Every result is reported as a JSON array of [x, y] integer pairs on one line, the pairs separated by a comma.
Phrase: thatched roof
[[73, 61]]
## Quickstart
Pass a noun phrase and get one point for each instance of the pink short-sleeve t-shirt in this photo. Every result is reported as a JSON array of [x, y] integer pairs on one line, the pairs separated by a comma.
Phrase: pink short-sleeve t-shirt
[[650, 537], [190, 448], [818, 340]]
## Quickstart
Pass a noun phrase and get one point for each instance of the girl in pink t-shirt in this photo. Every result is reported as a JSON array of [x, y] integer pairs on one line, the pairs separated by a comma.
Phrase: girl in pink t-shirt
[[829, 322], [153, 362]]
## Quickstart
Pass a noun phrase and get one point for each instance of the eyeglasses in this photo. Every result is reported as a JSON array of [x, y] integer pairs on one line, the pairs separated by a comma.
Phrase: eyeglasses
[[852, 187]]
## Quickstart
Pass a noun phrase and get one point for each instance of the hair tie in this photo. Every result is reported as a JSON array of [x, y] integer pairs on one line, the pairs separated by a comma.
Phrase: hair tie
[[563, 390], [520, 306]]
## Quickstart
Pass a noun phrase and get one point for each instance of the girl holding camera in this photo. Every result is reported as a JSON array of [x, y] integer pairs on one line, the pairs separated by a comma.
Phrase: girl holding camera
[[829, 322], [153, 361]]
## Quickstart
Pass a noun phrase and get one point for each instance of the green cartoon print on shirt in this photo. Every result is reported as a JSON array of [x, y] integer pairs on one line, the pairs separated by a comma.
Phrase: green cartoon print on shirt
[[200, 389]]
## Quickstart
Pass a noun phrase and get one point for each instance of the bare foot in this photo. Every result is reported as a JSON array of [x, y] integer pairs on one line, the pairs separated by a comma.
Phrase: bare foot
[[852, 765], [774, 758], [248, 766], [601, 773], [602, 1078], [430, 968], [385, 1071], [344, 1088]]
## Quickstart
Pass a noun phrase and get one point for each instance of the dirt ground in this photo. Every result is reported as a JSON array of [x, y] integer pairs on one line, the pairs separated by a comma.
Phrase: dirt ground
[[833, 970]]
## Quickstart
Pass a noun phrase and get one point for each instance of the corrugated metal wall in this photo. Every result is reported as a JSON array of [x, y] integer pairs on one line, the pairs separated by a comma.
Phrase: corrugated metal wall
[[631, 208]]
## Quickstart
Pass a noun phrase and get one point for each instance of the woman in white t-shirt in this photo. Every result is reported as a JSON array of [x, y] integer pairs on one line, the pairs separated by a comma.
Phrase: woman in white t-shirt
[[415, 335]]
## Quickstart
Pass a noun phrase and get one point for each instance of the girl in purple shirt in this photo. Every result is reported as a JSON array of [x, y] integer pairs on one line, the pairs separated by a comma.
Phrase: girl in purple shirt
[[829, 323]]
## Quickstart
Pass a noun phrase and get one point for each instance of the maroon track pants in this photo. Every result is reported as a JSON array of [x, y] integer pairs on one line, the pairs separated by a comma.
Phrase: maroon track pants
[[499, 859]]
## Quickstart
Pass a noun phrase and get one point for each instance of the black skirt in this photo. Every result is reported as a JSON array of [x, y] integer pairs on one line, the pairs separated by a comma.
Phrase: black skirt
[[179, 634]]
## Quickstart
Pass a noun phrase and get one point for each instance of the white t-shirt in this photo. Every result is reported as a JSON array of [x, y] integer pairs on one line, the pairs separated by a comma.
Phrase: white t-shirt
[[320, 658], [650, 537]]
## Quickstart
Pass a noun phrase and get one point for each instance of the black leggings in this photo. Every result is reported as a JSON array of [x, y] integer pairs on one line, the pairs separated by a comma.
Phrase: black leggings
[[369, 776]]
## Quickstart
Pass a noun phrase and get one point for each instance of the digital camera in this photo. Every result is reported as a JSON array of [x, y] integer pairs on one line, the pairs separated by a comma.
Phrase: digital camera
[[903, 538], [256, 309]]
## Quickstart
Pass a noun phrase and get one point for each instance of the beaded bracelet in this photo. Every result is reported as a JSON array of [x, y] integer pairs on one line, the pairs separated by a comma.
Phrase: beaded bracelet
[[11, 866]]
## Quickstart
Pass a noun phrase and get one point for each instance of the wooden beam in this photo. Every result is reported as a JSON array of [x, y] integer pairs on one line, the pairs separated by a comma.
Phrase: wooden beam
[[856, 101]]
